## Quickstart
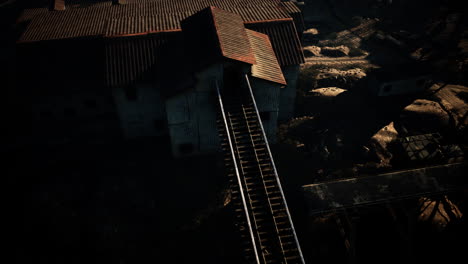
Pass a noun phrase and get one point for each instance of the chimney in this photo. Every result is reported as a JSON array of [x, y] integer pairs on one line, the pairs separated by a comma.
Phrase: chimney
[[57, 5], [118, 2]]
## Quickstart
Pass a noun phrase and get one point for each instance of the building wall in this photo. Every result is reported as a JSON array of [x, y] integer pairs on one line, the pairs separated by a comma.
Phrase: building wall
[[267, 97], [73, 115], [141, 114], [288, 93], [192, 116], [413, 85]]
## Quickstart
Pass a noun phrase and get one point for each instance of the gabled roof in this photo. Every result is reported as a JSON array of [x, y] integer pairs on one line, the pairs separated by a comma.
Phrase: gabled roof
[[128, 59], [284, 40], [143, 39], [267, 66], [143, 25], [215, 33], [91, 20]]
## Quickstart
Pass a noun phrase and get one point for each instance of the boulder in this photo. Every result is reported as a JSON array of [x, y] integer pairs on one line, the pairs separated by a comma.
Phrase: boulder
[[338, 78], [311, 31], [327, 91], [338, 51], [310, 51], [310, 34]]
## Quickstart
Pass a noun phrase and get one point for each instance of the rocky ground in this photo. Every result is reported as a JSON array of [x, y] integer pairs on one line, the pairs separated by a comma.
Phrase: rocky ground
[[338, 122], [340, 131]]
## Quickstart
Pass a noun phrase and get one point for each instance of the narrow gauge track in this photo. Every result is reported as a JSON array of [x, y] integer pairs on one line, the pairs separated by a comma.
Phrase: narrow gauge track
[[261, 210]]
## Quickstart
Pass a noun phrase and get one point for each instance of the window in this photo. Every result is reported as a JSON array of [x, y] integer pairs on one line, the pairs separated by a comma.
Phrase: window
[[387, 88], [186, 148], [265, 116]]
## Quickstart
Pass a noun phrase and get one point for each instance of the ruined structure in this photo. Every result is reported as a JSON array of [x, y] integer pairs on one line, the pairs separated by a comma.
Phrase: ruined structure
[[146, 68], [213, 75]]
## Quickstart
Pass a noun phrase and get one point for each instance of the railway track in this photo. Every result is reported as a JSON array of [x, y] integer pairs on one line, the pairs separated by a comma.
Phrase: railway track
[[261, 210]]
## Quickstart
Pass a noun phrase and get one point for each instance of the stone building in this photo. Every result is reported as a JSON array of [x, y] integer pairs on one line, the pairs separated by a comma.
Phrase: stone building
[[100, 69]]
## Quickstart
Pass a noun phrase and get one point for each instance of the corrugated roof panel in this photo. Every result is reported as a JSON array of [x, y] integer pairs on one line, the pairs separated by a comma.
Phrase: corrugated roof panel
[[144, 25], [232, 36], [290, 7], [130, 59], [267, 66], [88, 21], [284, 40], [259, 13], [293, 10]]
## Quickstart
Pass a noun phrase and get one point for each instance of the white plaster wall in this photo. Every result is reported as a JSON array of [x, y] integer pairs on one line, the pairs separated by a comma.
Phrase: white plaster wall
[[137, 117], [288, 93]]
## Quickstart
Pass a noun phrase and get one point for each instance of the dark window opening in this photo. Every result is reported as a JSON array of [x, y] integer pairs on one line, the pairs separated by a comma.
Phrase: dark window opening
[[186, 148], [70, 112], [90, 104], [387, 88], [131, 93], [159, 124], [265, 116]]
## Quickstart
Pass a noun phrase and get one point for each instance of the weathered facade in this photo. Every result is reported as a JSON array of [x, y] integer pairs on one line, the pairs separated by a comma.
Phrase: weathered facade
[[159, 61]]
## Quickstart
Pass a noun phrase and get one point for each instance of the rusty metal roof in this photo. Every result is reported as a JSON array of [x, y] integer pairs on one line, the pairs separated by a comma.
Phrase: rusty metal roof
[[284, 40], [130, 59], [214, 33], [293, 10], [129, 56], [267, 66], [232, 36], [127, 26], [91, 20]]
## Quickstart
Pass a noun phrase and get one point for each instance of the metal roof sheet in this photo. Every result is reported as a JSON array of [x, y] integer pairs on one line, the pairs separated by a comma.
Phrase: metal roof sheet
[[144, 25], [214, 33], [129, 59], [284, 40], [267, 66], [90, 20], [232, 36]]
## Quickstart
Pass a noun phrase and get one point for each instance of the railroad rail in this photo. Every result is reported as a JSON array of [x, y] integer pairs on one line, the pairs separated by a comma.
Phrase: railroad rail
[[261, 210]]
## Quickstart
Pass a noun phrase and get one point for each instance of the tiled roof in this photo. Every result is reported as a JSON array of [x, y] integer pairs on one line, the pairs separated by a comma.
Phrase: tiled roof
[[144, 25], [128, 59], [296, 13], [232, 36], [267, 67], [284, 39], [91, 20], [214, 33]]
